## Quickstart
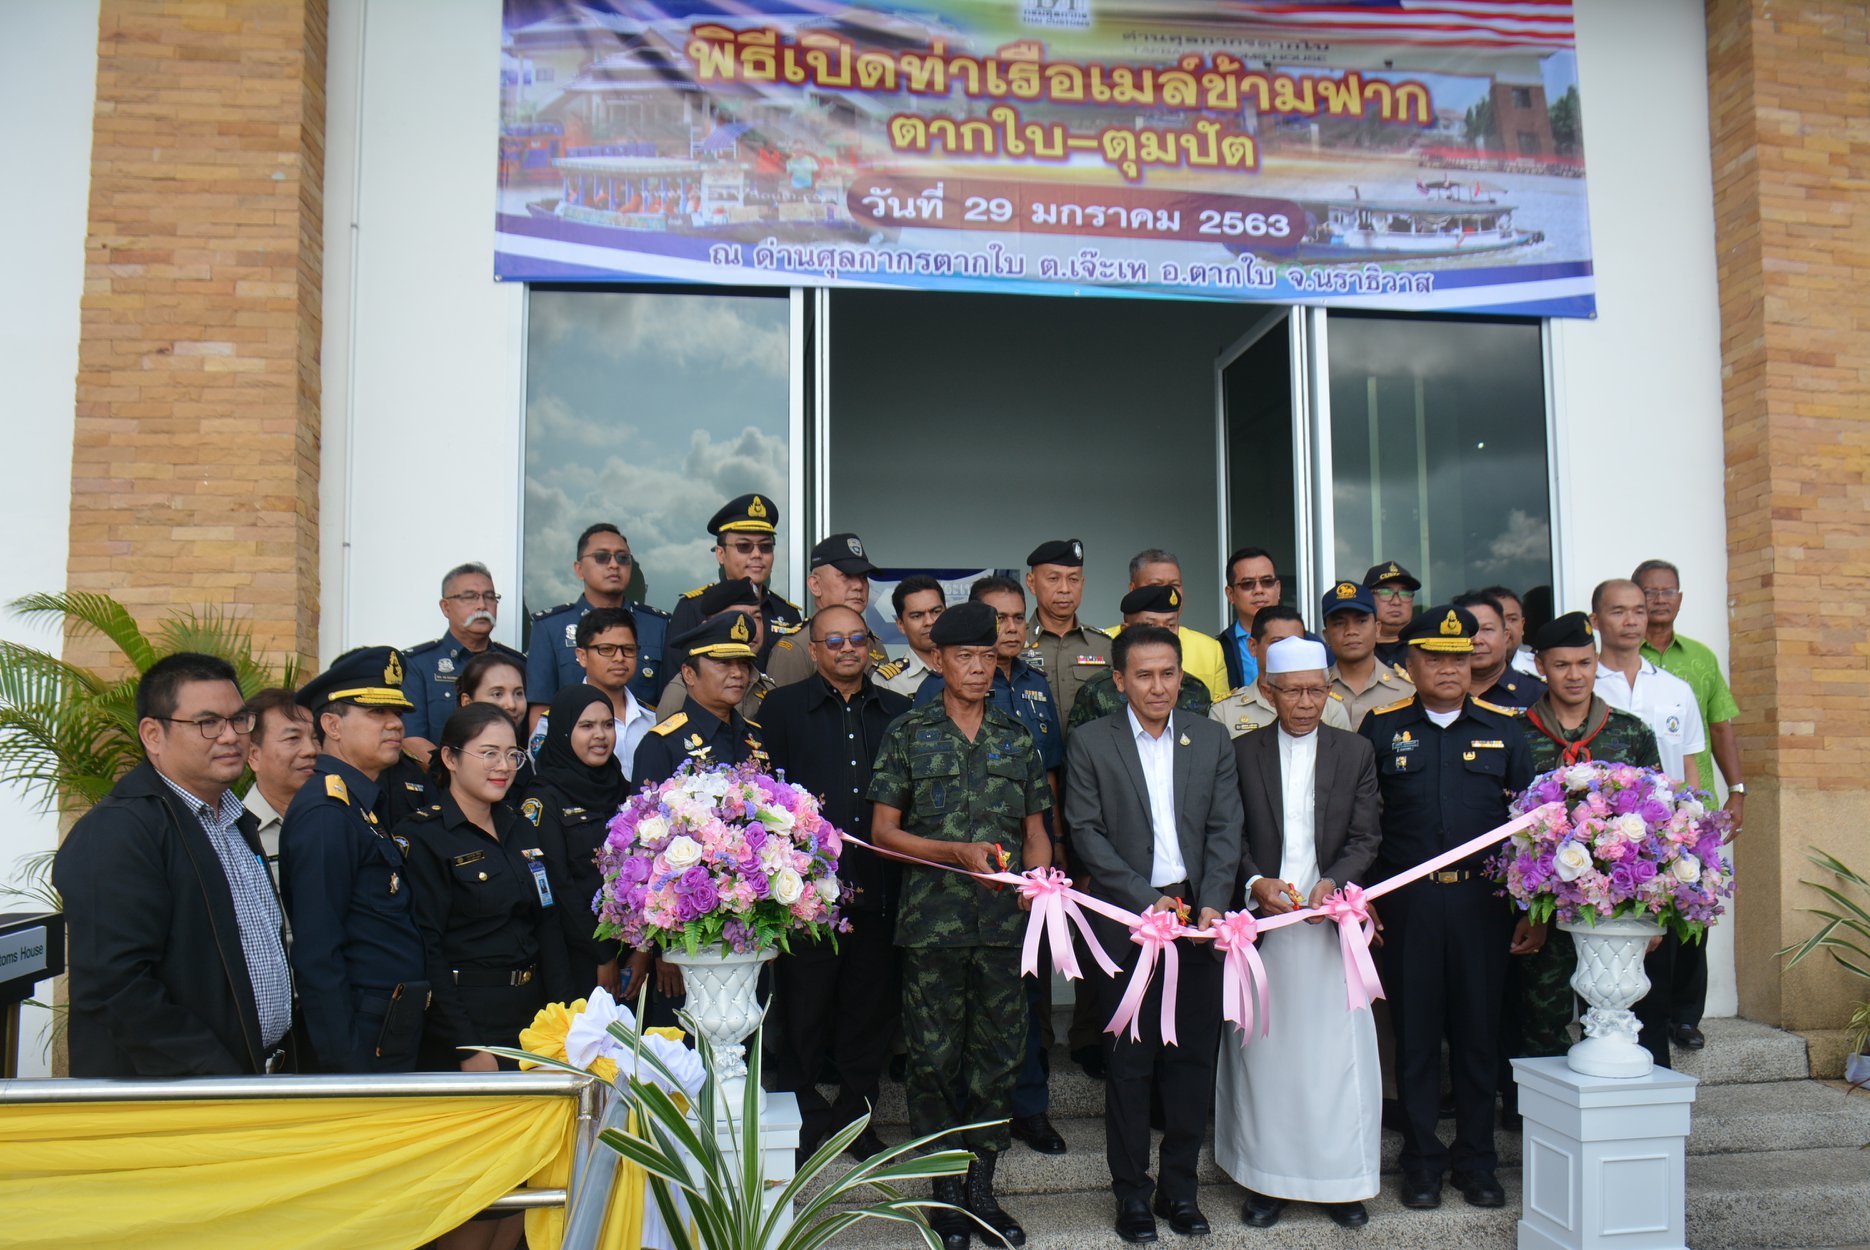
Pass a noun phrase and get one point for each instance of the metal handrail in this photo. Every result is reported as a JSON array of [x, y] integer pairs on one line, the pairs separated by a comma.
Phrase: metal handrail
[[587, 1089]]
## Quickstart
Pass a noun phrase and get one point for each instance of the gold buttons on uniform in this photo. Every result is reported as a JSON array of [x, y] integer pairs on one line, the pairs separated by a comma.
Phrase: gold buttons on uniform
[[483, 876]]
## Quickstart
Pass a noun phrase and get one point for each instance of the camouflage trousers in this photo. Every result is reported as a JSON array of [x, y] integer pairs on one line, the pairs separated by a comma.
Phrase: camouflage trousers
[[964, 1028], [1539, 999]]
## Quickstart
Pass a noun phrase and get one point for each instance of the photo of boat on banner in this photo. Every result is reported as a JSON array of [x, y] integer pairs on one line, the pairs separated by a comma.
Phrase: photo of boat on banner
[[1350, 154]]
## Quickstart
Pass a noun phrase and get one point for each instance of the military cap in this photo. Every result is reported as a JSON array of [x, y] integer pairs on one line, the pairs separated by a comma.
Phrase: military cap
[[1570, 630], [1390, 571], [366, 676], [749, 514], [1347, 595], [728, 636], [1445, 629], [1151, 599], [733, 593], [966, 625], [845, 553], [1065, 552]]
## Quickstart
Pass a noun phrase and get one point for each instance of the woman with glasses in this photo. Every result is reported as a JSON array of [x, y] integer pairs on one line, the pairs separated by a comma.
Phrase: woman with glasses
[[579, 787]]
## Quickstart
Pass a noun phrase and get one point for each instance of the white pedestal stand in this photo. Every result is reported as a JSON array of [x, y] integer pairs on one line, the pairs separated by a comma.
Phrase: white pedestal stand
[[779, 1144], [1604, 1158]]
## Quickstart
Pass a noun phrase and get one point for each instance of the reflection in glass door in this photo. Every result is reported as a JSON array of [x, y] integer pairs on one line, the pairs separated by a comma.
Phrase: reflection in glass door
[[1259, 425]]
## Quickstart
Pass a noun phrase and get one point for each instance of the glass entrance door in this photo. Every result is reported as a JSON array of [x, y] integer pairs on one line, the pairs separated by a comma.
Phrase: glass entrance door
[[1264, 480]]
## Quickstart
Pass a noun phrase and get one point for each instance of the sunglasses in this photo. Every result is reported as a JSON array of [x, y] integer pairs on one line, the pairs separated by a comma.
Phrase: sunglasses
[[837, 642], [622, 558]]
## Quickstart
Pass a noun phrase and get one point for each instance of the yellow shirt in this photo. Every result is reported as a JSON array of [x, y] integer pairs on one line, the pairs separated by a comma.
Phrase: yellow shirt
[[1201, 658]]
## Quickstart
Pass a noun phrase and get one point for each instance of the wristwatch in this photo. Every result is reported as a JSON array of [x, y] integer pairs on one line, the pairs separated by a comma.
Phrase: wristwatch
[[1739, 787]]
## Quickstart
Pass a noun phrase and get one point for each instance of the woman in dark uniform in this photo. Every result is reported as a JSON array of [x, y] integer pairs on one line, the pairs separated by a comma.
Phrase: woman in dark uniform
[[578, 787]]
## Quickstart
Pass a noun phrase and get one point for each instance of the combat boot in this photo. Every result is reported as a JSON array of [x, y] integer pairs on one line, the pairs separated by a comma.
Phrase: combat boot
[[952, 1226], [986, 1207]]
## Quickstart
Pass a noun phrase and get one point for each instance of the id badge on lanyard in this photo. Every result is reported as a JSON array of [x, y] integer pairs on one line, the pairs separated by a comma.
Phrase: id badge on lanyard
[[539, 883]]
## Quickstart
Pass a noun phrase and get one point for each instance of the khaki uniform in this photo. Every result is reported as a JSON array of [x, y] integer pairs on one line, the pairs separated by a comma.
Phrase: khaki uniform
[[1068, 660], [675, 694], [1247, 709], [904, 676], [790, 659], [1387, 686]]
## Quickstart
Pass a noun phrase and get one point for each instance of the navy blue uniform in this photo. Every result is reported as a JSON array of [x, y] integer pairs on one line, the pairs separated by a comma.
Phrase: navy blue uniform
[[782, 617], [354, 937], [1027, 697], [552, 660], [430, 673], [402, 789], [696, 733], [1514, 692], [1446, 936]]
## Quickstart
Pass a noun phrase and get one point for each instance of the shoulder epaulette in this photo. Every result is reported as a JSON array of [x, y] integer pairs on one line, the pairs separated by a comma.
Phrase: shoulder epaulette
[[1245, 691], [753, 724], [503, 649], [671, 725], [426, 813], [1337, 696], [1397, 706], [653, 611], [784, 627], [420, 647], [1402, 672], [542, 613], [795, 607], [336, 789], [690, 594], [892, 669], [783, 644], [1495, 707]]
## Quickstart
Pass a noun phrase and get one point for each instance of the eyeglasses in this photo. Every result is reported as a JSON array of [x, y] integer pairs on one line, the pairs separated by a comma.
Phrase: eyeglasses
[[474, 596], [748, 548], [1303, 694], [1392, 594], [600, 558], [837, 642], [1662, 594], [490, 756], [611, 650], [213, 727], [1257, 583]]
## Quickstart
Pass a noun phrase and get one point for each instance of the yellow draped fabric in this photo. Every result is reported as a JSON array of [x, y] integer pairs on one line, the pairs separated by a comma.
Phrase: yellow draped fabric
[[288, 1174], [623, 1218]]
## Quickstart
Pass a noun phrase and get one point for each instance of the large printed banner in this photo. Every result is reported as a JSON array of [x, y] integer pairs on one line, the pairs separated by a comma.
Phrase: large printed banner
[[1400, 154]]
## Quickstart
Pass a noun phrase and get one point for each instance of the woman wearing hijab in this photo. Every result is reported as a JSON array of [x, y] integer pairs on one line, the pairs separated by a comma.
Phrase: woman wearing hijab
[[578, 786]]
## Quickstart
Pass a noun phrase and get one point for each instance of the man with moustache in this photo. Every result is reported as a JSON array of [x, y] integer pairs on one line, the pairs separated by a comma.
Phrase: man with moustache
[[840, 574], [746, 537], [472, 608], [605, 565]]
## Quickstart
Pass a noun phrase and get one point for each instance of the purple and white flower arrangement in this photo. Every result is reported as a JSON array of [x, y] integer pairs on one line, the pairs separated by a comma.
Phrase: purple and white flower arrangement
[[1622, 841], [719, 856]]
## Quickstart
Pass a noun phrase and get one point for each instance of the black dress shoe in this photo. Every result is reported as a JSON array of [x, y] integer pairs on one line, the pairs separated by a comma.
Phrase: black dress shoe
[[1480, 1189], [1185, 1218], [899, 1068], [1687, 1036], [1134, 1222], [1346, 1214], [1091, 1059], [1037, 1131], [1261, 1211], [1421, 1190]]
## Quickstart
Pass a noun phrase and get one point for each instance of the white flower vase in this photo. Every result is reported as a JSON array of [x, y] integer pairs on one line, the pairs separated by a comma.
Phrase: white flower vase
[[720, 991], [1610, 978]]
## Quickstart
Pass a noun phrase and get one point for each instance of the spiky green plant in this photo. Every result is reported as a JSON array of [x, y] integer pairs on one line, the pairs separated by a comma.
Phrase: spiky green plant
[[1850, 916], [67, 733]]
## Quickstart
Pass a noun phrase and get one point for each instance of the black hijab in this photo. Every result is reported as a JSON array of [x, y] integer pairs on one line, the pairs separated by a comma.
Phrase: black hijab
[[599, 788]]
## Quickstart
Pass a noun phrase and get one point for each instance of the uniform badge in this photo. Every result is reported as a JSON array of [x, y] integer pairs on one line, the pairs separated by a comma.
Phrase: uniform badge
[[1672, 725], [1347, 590], [1092, 659], [1077, 550], [739, 631], [531, 809], [757, 509], [1184, 739], [1451, 626], [444, 665], [393, 671], [1402, 761], [571, 634], [396, 883], [402, 844], [857, 548]]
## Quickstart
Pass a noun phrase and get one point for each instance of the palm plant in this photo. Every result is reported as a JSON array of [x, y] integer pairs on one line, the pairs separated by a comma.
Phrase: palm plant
[[68, 733], [1853, 918]]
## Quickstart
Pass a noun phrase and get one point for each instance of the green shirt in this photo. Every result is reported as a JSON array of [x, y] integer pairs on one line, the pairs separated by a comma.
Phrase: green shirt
[[1100, 697], [1695, 664], [952, 790]]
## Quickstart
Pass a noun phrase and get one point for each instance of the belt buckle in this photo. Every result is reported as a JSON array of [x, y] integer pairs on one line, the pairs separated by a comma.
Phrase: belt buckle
[[523, 978], [275, 1061], [1447, 877]]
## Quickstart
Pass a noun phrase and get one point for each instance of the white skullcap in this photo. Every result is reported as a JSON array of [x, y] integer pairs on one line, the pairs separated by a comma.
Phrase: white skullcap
[[1295, 655]]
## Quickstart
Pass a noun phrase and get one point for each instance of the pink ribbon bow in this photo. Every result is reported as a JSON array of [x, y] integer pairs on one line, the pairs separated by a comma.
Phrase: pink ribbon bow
[[1243, 976], [1054, 910], [1351, 910], [1155, 932]]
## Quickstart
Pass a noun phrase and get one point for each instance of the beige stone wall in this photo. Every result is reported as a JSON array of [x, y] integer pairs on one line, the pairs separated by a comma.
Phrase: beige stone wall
[[1789, 93]]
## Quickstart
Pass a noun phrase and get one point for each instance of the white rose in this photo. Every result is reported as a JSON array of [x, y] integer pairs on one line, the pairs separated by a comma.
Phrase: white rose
[[651, 829], [788, 886], [827, 888], [1572, 861], [1578, 776], [774, 855], [682, 852], [777, 819], [1632, 828], [1687, 868]]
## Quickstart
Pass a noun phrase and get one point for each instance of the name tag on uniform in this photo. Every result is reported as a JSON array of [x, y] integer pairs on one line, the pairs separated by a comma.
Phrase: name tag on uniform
[[462, 861], [1091, 659], [1498, 746], [539, 883]]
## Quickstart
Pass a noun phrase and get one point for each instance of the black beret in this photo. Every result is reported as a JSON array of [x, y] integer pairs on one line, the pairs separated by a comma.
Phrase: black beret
[[728, 636], [751, 514], [1151, 599], [732, 593], [1570, 630], [1445, 628], [845, 553], [972, 624], [367, 676], [1390, 571], [1068, 552]]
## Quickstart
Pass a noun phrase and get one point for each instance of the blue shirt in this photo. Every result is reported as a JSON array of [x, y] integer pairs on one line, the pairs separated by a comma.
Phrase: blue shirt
[[1027, 698], [552, 660], [1236, 637], [430, 672]]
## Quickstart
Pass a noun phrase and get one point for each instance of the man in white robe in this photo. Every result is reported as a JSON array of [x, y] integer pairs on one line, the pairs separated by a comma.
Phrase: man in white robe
[[1298, 1112]]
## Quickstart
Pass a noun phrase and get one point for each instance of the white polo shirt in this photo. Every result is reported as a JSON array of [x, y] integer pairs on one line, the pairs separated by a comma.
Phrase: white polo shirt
[[1667, 705]]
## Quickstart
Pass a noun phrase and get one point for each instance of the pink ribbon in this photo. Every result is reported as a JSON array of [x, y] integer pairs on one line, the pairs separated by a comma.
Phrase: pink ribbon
[[1155, 932], [1350, 908], [1243, 976], [1054, 910]]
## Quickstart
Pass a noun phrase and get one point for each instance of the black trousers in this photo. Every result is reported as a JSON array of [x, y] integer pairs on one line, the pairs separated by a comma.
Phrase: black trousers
[[1656, 1012], [846, 1004], [1689, 985], [1183, 1075], [1444, 972]]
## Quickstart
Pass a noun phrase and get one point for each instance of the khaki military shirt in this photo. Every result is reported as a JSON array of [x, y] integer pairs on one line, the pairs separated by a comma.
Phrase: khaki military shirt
[[1247, 709], [790, 659], [1068, 660], [1386, 686], [676, 693], [904, 676]]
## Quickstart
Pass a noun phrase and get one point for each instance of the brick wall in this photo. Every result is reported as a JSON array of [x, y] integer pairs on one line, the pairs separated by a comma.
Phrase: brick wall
[[1789, 95], [195, 459]]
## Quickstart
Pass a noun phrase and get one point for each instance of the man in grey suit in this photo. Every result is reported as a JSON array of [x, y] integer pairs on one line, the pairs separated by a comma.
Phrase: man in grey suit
[[1153, 805]]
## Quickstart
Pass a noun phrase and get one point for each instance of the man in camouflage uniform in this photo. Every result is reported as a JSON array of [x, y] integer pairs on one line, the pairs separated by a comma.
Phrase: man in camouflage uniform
[[1146, 605], [1568, 725], [954, 779]]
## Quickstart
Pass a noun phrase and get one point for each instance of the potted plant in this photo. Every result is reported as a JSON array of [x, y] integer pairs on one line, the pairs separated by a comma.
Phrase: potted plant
[[1614, 855], [1850, 948]]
